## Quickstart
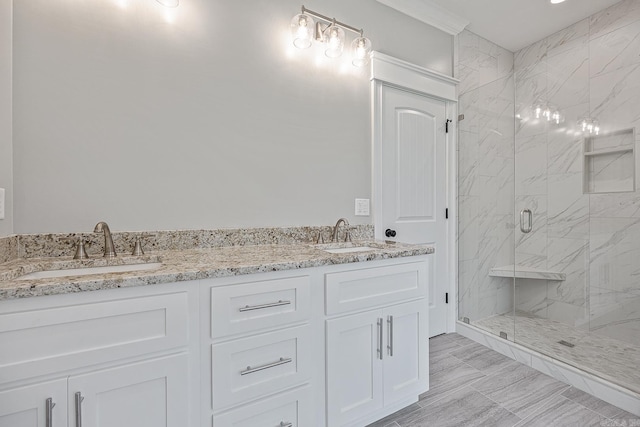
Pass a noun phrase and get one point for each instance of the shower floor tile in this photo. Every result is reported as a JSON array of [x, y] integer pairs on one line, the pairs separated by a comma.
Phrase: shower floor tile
[[610, 359]]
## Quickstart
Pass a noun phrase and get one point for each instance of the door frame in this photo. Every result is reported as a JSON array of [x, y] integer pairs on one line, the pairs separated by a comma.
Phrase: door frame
[[393, 72]]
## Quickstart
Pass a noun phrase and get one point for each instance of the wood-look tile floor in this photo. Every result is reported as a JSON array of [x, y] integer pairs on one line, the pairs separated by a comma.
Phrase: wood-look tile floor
[[472, 385]]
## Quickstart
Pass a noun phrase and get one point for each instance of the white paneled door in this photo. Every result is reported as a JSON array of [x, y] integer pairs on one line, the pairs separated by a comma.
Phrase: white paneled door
[[412, 183]]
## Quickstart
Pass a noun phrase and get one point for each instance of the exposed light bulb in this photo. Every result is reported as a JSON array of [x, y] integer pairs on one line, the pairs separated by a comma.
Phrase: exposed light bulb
[[334, 37], [361, 49], [302, 31]]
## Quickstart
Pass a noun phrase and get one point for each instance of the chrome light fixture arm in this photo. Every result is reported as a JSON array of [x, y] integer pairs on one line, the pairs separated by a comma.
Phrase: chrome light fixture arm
[[332, 21]]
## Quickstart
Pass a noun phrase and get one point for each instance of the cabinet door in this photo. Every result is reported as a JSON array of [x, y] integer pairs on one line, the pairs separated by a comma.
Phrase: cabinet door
[[27, 406], [406, 363], [354, 366], [152, 393], [293, 408]]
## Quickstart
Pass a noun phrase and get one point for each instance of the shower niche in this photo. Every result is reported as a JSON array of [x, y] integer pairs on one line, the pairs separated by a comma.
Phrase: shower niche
[[609, 162]]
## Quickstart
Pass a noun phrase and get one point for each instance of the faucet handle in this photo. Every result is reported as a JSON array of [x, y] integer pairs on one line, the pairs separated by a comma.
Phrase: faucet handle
[[320, 238], [80, 244], [347, 235], [137, 247]]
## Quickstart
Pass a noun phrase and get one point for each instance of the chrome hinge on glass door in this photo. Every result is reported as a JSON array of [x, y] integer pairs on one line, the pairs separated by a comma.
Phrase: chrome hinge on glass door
[[529, 226]]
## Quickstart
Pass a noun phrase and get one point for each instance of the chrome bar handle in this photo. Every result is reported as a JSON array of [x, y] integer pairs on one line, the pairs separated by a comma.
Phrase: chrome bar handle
[[529, 226], [380, 354], [261, 306], [49, 412], [251, 370], [79, 400], [283, 424], [390, 327]]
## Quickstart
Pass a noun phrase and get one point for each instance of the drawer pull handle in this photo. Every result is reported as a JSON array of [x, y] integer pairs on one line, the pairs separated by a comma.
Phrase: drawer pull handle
[[283, 424], [49, 412], [261, 306], [390, 327], [380, 338], [79, 400], [251, 370]]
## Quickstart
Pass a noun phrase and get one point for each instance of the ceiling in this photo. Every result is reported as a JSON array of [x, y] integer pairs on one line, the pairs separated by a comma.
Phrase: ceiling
[[514, 24]]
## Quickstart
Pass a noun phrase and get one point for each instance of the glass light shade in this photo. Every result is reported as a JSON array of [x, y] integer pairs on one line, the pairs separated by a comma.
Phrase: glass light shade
[[169, 3], [302, 28], [361, 47], [334, 39]]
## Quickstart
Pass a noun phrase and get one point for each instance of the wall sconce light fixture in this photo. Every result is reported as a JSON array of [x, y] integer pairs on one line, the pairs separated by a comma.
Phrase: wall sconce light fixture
[[304, 30], [169, 3]]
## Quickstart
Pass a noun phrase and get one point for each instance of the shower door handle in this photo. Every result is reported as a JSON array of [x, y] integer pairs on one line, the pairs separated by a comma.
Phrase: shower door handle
[[529, 226]]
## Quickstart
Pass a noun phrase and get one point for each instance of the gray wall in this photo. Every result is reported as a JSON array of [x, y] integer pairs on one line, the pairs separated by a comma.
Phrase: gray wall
[[212, 121], [6, 173]]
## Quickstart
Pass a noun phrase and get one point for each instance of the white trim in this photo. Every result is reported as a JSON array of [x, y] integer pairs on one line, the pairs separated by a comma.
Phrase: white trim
[[429, 13], [404, 74], [452, 222], [387, 70], [598, 387]]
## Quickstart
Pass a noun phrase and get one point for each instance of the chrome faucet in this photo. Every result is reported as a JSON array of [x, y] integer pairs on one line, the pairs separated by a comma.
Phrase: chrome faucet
[[109, 250], [347, 237]]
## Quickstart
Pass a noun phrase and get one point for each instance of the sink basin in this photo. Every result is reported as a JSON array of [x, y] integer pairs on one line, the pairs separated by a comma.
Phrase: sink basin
[[351, 249], [85, 271]]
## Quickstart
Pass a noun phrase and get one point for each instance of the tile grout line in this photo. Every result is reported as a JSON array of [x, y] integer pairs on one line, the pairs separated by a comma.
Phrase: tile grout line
[[586, 407], [447, 393]]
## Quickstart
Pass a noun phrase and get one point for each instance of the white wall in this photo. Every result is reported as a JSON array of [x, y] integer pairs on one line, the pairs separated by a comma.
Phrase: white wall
[[211, 121], [6, 172]]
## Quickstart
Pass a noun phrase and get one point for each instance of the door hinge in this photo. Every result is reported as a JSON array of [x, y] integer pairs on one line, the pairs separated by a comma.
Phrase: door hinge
[[446, 298], [446, 126], [446, 213]]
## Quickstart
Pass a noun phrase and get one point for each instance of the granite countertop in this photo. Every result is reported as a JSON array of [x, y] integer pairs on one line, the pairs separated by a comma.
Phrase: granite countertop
[[188, 264]]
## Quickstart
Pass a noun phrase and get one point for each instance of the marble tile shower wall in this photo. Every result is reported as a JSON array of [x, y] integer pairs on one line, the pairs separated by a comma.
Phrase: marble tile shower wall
[[486, 176], [591, 68]]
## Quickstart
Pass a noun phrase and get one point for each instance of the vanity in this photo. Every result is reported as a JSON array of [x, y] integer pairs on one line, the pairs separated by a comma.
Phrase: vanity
[[249, 335]]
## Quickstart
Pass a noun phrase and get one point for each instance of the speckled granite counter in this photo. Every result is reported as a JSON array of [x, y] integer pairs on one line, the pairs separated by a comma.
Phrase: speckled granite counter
[[187, 264]]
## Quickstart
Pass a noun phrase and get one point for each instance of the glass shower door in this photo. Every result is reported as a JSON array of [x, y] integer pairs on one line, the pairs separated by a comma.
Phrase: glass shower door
[[486, 209]]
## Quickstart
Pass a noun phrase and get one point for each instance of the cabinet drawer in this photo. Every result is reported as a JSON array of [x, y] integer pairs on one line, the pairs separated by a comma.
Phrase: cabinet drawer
[[361, 289], [292, 409], [55, 339], [252, 367], [257, 305]]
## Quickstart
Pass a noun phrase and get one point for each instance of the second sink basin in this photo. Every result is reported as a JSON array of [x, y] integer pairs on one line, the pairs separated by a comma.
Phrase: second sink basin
[[85, 271]]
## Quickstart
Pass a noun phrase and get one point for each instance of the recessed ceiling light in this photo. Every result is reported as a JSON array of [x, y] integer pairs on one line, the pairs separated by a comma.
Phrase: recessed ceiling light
[[556, 1]]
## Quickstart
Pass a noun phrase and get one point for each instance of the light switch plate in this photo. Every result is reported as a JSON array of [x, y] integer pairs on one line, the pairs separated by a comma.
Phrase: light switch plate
[[2, 203], [362, 207]]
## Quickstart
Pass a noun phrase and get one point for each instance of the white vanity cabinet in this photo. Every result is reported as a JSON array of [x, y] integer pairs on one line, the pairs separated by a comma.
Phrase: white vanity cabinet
[[117, 358], [258, 349], [331, 346], [376, 359]]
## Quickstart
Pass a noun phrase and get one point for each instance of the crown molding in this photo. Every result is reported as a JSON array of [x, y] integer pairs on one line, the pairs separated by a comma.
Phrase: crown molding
[[429, 13], [385, 68]]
